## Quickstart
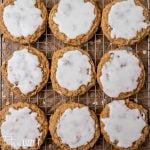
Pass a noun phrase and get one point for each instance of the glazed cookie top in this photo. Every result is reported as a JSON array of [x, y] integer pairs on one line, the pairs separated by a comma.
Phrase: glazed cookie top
[[20, 128], [76, 127], [120, 74], [123, 125], [126, 19], [23, 71], [73, 70], [74, 17], [22, 18]]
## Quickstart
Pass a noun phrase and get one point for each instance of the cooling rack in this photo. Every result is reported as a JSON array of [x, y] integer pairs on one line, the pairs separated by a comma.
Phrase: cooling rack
[[48, 100]]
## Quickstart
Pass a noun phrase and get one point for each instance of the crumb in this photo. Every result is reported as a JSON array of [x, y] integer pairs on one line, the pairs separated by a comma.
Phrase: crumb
[[95, 103], [7, 103], [103, 102], [144, 52], [136, 100]]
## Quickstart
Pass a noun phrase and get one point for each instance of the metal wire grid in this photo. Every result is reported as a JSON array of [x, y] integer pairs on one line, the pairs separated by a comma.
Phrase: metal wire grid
[[48, 100]]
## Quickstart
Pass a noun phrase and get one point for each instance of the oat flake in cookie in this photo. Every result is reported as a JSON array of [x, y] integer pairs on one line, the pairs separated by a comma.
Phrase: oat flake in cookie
[[125, 22], [120, 73], [26, 71], [23, 21], [74, 126], [124, 124], [74, 22], [22, 126], [72, 71]]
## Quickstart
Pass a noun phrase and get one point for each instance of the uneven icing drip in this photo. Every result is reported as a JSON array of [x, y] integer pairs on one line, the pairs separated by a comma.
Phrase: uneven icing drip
[[126, 19], [120, 73], [73, 70], [123, 125], [23, 71], [74, 17], [76, 127], [20, 128], [22, 18]]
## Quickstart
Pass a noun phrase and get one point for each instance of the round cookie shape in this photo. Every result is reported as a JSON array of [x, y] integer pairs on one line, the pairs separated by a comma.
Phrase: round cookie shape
[[74, 125], [23, 126], [26, 72], [72, 71], [23, 21], [125, 22], [74, 22], [120, 73], [124, 124]]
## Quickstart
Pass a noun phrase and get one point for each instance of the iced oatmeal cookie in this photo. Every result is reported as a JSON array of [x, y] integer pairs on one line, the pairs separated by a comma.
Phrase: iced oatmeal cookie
[[125, 22], [124, 124], [120, 73], [26, 72], [74, 126], [74, 22], [23, 21], [22, 126], [72, 71]]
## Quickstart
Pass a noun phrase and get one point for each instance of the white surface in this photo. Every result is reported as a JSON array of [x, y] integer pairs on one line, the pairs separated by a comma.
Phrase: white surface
[[20, 128], [23, 71], [73, 70], [120, 73], [126, 19], [74, 17], [76, 127], [22, 18], [123, 124]]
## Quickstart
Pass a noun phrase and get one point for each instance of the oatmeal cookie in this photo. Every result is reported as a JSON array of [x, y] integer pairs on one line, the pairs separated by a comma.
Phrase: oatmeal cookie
[[125, 22], [23, 126], [124, 124], [74, 125], [23, 21], [74, 22], [26, 72], [120, 73], [72, 71]]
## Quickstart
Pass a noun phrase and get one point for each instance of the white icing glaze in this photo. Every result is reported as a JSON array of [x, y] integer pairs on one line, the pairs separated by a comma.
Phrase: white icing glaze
[[120, 73], [23, 71], [76, 127], [20, 128], [22, 18], [124, 125], [74, 17], [73, 70], [126, 19]]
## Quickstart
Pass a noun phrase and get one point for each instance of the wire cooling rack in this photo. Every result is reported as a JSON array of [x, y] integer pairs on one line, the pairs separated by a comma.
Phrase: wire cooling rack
[[48, 100]]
